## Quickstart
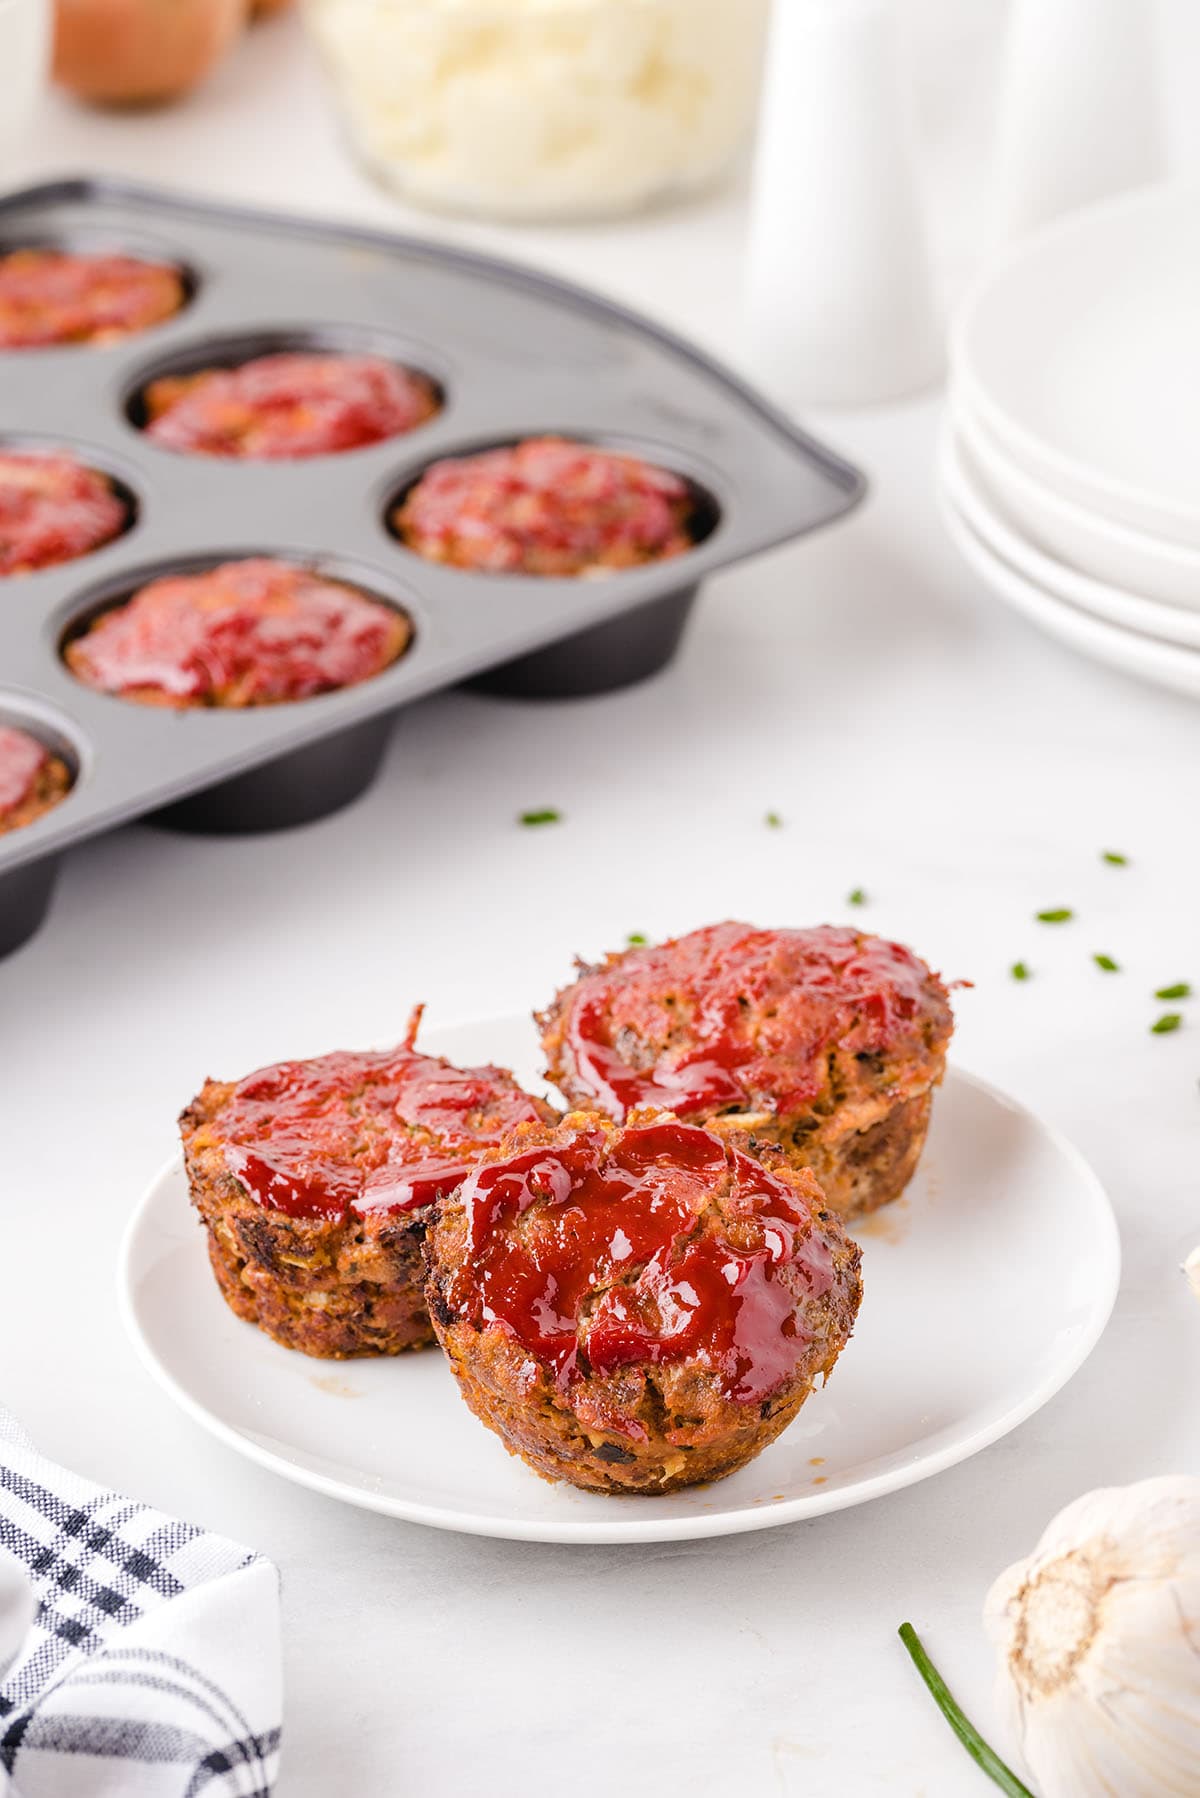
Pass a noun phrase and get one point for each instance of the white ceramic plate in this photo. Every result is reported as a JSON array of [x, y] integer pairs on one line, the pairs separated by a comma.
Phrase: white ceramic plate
[[969, 484], [1162, 664], [1081, 354], [1076, 541], [986, 1287]]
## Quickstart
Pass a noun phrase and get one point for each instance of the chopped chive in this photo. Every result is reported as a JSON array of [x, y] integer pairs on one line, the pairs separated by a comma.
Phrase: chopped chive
[[1114, 858], [985, 1758], [773, 821], [1170, 1020], [1181, 990], [547, 816], [635, 939], [1111, 967], [857, 897], [1057, 914], [1019, 970]]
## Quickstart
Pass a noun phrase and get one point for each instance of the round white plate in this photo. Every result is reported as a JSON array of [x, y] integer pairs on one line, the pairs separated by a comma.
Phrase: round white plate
[[970, 484], [1081, 354], [1163, 664], [986, 1287], [1088, 545]]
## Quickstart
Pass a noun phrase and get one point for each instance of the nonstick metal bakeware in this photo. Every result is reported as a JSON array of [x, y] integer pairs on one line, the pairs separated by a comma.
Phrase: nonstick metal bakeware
[[514, 353]]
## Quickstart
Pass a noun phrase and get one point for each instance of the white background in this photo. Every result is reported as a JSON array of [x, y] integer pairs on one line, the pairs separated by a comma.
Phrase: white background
[[919, 743]]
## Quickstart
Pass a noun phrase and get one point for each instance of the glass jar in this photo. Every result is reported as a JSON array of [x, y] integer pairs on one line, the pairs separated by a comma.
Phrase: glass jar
[[543, 109]]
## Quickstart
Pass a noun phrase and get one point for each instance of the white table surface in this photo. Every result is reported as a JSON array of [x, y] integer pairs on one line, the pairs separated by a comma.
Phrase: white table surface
[[920, 743]]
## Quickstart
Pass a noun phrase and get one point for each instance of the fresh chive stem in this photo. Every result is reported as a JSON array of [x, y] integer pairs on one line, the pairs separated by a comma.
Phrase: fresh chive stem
[[1055, 914], [1170, 1020], [1019, 970], [1181, 990], [1108, 964], [774, 821], [1114, 858], [635, 939], [857, 897], [547, 815], [984, 1757]]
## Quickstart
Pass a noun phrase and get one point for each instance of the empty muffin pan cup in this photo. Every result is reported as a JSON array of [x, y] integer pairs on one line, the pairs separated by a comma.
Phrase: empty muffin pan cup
[[509, 353]]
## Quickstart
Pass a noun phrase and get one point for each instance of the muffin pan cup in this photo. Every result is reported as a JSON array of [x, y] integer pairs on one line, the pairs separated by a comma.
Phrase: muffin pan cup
[[514, 354]]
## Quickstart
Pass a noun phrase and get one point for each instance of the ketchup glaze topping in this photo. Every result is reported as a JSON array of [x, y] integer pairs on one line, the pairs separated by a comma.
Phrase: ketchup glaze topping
[[546, 506], [613, 1249], [755, 1012], [56, 296], [370, 1134], [22, 759], [289, 405], [245, 633], [51, 510]]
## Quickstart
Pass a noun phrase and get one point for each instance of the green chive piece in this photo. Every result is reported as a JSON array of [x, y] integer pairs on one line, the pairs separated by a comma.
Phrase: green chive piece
[[1020, 970], [984, 1757], [635, 939], [773, 821], [1058, 914], [1114, 858], [1110, 966], [857, 897], [1181, 990], [547, 816], [1170, 1020]]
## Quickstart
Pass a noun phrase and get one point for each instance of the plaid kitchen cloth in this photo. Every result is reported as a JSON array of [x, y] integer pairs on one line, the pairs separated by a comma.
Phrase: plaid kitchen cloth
[[153, 1668]]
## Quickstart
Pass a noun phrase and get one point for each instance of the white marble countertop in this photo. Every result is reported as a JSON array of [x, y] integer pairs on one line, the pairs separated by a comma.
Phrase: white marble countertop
[[920, 743]]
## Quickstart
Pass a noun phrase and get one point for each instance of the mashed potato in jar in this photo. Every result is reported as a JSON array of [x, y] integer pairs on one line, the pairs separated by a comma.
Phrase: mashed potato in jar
[[544, 108]]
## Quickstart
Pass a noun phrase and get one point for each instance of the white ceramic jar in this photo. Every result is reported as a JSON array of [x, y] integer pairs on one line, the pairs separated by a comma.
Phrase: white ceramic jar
[[541, 109]]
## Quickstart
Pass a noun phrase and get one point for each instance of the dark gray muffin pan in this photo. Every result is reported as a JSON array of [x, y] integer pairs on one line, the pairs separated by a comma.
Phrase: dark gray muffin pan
[[515, 354]]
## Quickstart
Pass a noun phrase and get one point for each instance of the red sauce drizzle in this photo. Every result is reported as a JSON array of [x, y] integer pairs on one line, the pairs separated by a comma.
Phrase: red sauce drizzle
[[22, 759], [761, 1009], [551, 1227], [371, 1134], [246, 633]]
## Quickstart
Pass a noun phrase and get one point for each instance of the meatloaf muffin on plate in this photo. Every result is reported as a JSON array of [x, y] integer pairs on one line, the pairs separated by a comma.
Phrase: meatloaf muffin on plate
[[315, 1178], [547, 506], [33, 779], [258, 632], [826, 1044], [53, 509], [286, 406], [635, 1309], [54, 297]]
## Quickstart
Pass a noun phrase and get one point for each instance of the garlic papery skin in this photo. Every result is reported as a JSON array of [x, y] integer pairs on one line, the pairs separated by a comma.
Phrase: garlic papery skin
[[1191, 1268], [1098, 1634]]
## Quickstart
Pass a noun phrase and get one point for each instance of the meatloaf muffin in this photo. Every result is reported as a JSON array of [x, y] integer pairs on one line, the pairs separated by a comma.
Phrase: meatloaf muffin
[[242, 634], [637, 1309], [825, 1043], [53, 509], [33, 779], [289, 405], [54, 297], [548, 507], [315, 1178]]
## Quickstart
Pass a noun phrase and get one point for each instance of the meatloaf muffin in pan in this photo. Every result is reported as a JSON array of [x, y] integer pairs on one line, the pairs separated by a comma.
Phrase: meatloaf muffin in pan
[[51, 296], [635, 1309], [826, 1044], [250, 633], [32, 778], [53, 509], [548, 506], [315, 1180], [286, 406]]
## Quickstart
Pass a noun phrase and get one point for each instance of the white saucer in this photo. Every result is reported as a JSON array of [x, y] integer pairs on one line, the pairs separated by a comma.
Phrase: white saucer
[[986, 1288], [1162, 664], [966, 485], [1080, 354]]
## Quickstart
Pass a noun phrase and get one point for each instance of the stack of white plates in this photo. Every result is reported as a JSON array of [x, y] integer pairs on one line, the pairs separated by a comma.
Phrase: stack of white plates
[[1070, 464]]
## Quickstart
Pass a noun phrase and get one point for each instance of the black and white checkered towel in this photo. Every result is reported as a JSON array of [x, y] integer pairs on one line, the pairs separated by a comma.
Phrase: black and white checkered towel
[[153, 1668]]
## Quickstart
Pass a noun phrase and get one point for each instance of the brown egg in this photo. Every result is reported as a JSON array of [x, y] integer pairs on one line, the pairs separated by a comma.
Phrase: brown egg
[[129, 52]]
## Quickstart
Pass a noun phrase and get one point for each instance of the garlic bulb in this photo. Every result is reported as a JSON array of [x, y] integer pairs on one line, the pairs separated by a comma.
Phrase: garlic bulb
[[1099, 1639], [1191, 1268]]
